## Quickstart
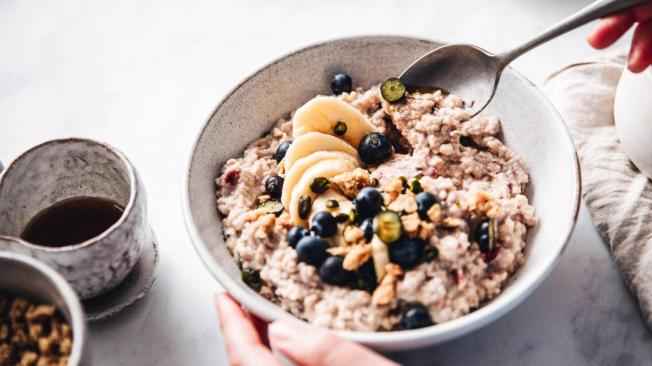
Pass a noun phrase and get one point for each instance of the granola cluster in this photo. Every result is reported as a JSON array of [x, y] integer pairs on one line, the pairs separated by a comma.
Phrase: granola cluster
[[32, 334]]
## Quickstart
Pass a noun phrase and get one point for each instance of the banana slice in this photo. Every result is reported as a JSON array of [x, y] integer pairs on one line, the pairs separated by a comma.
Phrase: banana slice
[[380, 254], [300, 166], [326, 169], [321, 114], [344, 206], [311, 142]]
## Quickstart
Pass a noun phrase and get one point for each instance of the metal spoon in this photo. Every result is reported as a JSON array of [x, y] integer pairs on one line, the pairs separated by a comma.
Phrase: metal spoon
[[473, 73]]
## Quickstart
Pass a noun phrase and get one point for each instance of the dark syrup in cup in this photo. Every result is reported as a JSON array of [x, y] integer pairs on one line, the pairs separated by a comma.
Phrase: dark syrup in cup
[[72, 221]]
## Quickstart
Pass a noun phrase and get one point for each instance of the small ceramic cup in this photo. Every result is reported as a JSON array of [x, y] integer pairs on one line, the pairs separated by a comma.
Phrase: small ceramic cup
[[24, 276], [633, 117], [60, 169]]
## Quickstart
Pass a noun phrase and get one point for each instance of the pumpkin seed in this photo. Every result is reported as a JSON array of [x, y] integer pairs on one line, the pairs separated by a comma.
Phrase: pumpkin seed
[[305, 205], [340, 128], [271, 206], [342, 217], [415, 186], [320, 185], [331, 204], [404, 182]]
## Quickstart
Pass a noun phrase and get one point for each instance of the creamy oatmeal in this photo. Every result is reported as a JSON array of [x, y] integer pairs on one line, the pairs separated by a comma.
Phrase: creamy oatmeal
[[378, 215]]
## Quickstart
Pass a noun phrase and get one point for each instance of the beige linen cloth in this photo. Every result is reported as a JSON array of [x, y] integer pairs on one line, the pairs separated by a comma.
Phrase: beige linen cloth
[[618, 196]]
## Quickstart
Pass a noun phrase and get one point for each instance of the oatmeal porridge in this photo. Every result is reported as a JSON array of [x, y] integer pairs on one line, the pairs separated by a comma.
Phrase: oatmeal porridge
[[377, 210]]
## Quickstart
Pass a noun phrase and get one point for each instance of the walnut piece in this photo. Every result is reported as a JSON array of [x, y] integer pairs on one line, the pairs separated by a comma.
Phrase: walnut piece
[[411, 223], [357, 256], [404, 203], [350, 183], [353, 234], [483, 203], [339, 251], [426, 229], [32, 334], [392, 190], [434, 213], [386, 290], [453, 222]]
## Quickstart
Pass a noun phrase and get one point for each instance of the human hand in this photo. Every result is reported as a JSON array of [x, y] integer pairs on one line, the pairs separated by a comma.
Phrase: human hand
[[614, 26], [246, 341]]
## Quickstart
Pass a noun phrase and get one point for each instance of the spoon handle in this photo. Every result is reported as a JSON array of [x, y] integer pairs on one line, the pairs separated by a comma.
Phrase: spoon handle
[[597, 9]]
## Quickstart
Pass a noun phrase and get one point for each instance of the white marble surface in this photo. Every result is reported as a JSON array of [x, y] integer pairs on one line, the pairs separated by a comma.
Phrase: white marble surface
[[143, 75]]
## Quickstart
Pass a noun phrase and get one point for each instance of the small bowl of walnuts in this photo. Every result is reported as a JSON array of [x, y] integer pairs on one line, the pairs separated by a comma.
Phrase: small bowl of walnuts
[[41, 319]]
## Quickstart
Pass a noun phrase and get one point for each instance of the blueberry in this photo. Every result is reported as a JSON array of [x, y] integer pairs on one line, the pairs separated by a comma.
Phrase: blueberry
[[425, 200], [368, 202], [332, 271], [406, 252], [312, 250], [323, 224], [416, 316], [274, 186], [281, 150], [341, 83], [367, 227], [484, 235], [375, 148], [295, 234]]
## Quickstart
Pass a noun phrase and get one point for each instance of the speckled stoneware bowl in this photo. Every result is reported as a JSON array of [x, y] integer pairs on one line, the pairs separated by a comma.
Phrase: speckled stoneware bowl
[[531, 127], [59, 169], [24, 276]]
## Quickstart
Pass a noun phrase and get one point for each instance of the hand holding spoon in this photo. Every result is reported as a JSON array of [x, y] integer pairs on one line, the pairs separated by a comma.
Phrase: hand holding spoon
[[473, 73]]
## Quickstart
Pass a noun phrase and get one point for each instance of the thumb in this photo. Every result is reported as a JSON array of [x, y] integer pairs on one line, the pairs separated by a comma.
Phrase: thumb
[[312, 346]]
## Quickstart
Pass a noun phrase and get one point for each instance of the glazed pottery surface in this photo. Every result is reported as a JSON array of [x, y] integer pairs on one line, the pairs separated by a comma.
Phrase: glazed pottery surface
[[61, 169], [530, 126], [633, 117], [24, 276]]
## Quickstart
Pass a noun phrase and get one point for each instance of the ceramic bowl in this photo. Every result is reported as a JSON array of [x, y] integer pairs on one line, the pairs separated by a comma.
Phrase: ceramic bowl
[[531, 126], [25, 276], [633, 117]]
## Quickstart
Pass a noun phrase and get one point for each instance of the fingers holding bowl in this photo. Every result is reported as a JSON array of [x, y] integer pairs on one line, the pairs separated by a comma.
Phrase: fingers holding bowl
[[243, 342], [318, 347]]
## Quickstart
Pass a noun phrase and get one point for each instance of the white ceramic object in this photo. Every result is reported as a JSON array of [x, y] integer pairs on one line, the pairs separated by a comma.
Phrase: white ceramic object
[[633, 117], [25, 276], [133, 288], [72, 167], [531, 127]]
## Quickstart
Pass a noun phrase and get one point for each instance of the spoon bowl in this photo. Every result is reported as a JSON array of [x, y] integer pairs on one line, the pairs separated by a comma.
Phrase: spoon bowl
[[460, 69], [473, 73]]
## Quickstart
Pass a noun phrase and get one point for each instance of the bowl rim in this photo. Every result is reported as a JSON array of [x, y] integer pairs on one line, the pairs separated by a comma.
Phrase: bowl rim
[[406, 339], [71, 301]]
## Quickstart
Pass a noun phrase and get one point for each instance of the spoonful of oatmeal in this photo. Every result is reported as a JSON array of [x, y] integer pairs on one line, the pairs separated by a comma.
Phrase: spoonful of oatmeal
[[473, 73]]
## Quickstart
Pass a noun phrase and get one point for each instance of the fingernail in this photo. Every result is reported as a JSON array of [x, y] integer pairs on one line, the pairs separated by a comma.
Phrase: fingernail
[[281, 331]]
